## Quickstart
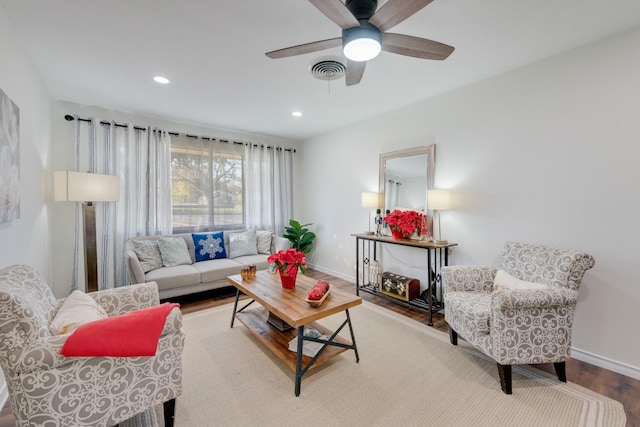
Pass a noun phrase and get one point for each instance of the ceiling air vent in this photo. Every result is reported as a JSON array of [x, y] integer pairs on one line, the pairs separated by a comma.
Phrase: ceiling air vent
[[327, 69]]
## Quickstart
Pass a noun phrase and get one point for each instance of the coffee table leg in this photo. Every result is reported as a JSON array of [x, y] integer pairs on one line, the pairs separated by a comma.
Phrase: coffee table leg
[[299, 359], [353, 337], [235, 307]]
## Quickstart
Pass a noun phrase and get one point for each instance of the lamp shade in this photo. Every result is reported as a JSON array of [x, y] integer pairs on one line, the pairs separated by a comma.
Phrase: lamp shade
[[370, 200], [439, 200], [70, 186]]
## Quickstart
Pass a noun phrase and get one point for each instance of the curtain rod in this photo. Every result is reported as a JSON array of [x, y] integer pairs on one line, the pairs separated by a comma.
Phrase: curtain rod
[[69, 117]]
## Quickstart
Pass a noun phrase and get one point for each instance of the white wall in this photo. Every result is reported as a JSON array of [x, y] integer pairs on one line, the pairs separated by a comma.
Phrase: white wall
[[547, 153], [62, 158], [25, 240]]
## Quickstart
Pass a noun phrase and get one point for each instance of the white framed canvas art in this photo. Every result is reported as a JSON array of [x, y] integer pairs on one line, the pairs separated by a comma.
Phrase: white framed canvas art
[[9, 159]]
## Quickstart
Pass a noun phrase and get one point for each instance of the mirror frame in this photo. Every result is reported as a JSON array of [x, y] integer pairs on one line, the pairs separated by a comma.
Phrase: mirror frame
[[429, 150]]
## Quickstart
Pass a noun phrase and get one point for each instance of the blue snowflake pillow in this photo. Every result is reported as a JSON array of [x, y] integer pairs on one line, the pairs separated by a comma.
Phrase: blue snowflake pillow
[[209, 246]]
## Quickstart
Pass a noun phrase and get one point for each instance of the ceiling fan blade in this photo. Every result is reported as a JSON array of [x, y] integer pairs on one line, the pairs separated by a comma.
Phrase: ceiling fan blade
[[415, 46], [305, 48], [394, 12], [355, 70], [337, 12]]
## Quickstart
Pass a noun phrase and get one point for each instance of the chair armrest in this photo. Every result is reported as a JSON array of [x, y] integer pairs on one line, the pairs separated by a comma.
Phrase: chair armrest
[[136, 273], [470, 278], [127, 298], [173, 323], [506, 299], [41, 354], [279, 243], [44, 354], [531, 325]]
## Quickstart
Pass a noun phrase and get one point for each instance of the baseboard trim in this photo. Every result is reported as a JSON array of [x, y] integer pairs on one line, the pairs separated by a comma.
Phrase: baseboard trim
[[606, 363], [333, 273]]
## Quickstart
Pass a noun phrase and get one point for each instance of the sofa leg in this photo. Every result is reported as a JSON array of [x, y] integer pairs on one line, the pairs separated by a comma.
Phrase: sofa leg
[[505, 378], [169, 412], [561, 371], [453, 336]]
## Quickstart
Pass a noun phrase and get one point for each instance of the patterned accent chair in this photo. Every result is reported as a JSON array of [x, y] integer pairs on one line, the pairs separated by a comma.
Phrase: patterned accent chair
[[517, 326], [49, 389]]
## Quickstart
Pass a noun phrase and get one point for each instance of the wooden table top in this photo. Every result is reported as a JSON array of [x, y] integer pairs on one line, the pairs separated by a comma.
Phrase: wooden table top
[[289, 304], [426, 244]]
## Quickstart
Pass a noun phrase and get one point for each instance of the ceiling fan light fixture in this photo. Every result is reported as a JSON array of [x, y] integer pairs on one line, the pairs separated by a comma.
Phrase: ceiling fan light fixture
[[361, 43]]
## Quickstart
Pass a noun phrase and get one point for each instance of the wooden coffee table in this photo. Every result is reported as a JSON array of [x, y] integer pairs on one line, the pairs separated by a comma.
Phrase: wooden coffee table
[[285, 314]]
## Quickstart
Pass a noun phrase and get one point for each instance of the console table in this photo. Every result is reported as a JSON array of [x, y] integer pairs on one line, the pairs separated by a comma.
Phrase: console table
[[437, 256]]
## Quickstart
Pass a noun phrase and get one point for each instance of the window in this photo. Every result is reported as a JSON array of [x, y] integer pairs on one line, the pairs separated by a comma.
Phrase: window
[[206, 185]]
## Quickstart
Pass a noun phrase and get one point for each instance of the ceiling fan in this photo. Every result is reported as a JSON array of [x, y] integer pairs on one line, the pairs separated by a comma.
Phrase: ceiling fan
[[364, 34]]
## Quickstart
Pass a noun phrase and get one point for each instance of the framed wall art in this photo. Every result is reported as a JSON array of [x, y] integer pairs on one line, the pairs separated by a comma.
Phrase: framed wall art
[[9, 159]]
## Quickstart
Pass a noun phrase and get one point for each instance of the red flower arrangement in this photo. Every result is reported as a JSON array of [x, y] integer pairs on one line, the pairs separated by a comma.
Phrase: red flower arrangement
[[288, 260], [405, 222]]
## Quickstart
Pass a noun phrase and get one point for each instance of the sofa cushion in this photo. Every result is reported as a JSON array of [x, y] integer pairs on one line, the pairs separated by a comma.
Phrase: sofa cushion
[[174, 277], [217, 269], [245, 243], [264, 241], [209, 246], [259, 260], [174, 251], [148, 253]]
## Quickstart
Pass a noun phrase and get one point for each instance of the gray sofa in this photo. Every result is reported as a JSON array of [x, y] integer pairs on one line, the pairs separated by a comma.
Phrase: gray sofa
[[198, 276]]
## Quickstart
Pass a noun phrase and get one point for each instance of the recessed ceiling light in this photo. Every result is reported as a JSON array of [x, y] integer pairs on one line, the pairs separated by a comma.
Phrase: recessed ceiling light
[[161, 80], [297, 114]]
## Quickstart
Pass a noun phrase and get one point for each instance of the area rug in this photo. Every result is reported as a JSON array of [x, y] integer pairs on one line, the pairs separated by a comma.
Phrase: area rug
[[408, 375]]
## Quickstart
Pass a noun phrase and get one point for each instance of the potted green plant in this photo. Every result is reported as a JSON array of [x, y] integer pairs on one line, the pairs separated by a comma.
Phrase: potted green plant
[[299, 236]]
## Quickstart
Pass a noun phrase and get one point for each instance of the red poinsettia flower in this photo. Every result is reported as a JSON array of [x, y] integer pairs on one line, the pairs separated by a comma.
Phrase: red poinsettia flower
[[287, 260], [406, 221]]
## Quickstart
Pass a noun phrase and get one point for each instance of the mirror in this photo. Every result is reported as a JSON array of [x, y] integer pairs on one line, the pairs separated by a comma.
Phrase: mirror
[[405, 177]]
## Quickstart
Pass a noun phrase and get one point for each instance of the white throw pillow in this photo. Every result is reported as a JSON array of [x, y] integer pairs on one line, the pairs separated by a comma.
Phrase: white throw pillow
[[78, 309], [174, 251], [504, 280], [241, 244], [148, 254], [264, 241]]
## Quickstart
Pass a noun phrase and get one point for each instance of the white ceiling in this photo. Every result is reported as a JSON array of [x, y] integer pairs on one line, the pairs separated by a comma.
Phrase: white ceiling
[[105, 54]]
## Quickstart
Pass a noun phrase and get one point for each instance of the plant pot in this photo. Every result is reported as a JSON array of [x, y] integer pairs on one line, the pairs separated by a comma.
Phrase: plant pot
[[288, 279], [397, 234]]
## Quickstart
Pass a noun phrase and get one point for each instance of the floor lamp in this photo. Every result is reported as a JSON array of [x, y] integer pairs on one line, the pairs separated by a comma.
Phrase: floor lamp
[[439, 200], [87, 188], [370, 201]]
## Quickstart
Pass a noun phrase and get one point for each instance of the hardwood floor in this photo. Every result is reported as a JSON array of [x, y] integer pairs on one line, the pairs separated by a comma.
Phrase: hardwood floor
[[619, 387]]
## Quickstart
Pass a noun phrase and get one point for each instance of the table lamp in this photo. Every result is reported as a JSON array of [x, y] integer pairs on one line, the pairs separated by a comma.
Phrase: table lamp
[[370, 201], [439, 200]]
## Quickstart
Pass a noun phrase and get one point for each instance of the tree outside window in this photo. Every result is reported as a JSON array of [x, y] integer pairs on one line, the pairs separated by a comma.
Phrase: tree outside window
[[206, 185]]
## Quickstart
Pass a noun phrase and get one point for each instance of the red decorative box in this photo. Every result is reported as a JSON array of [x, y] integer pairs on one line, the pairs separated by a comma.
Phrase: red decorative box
[[401, 287]]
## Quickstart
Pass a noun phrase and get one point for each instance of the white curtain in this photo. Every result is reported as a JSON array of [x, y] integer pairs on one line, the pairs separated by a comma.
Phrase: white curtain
[[141, 158], [268, 187]]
